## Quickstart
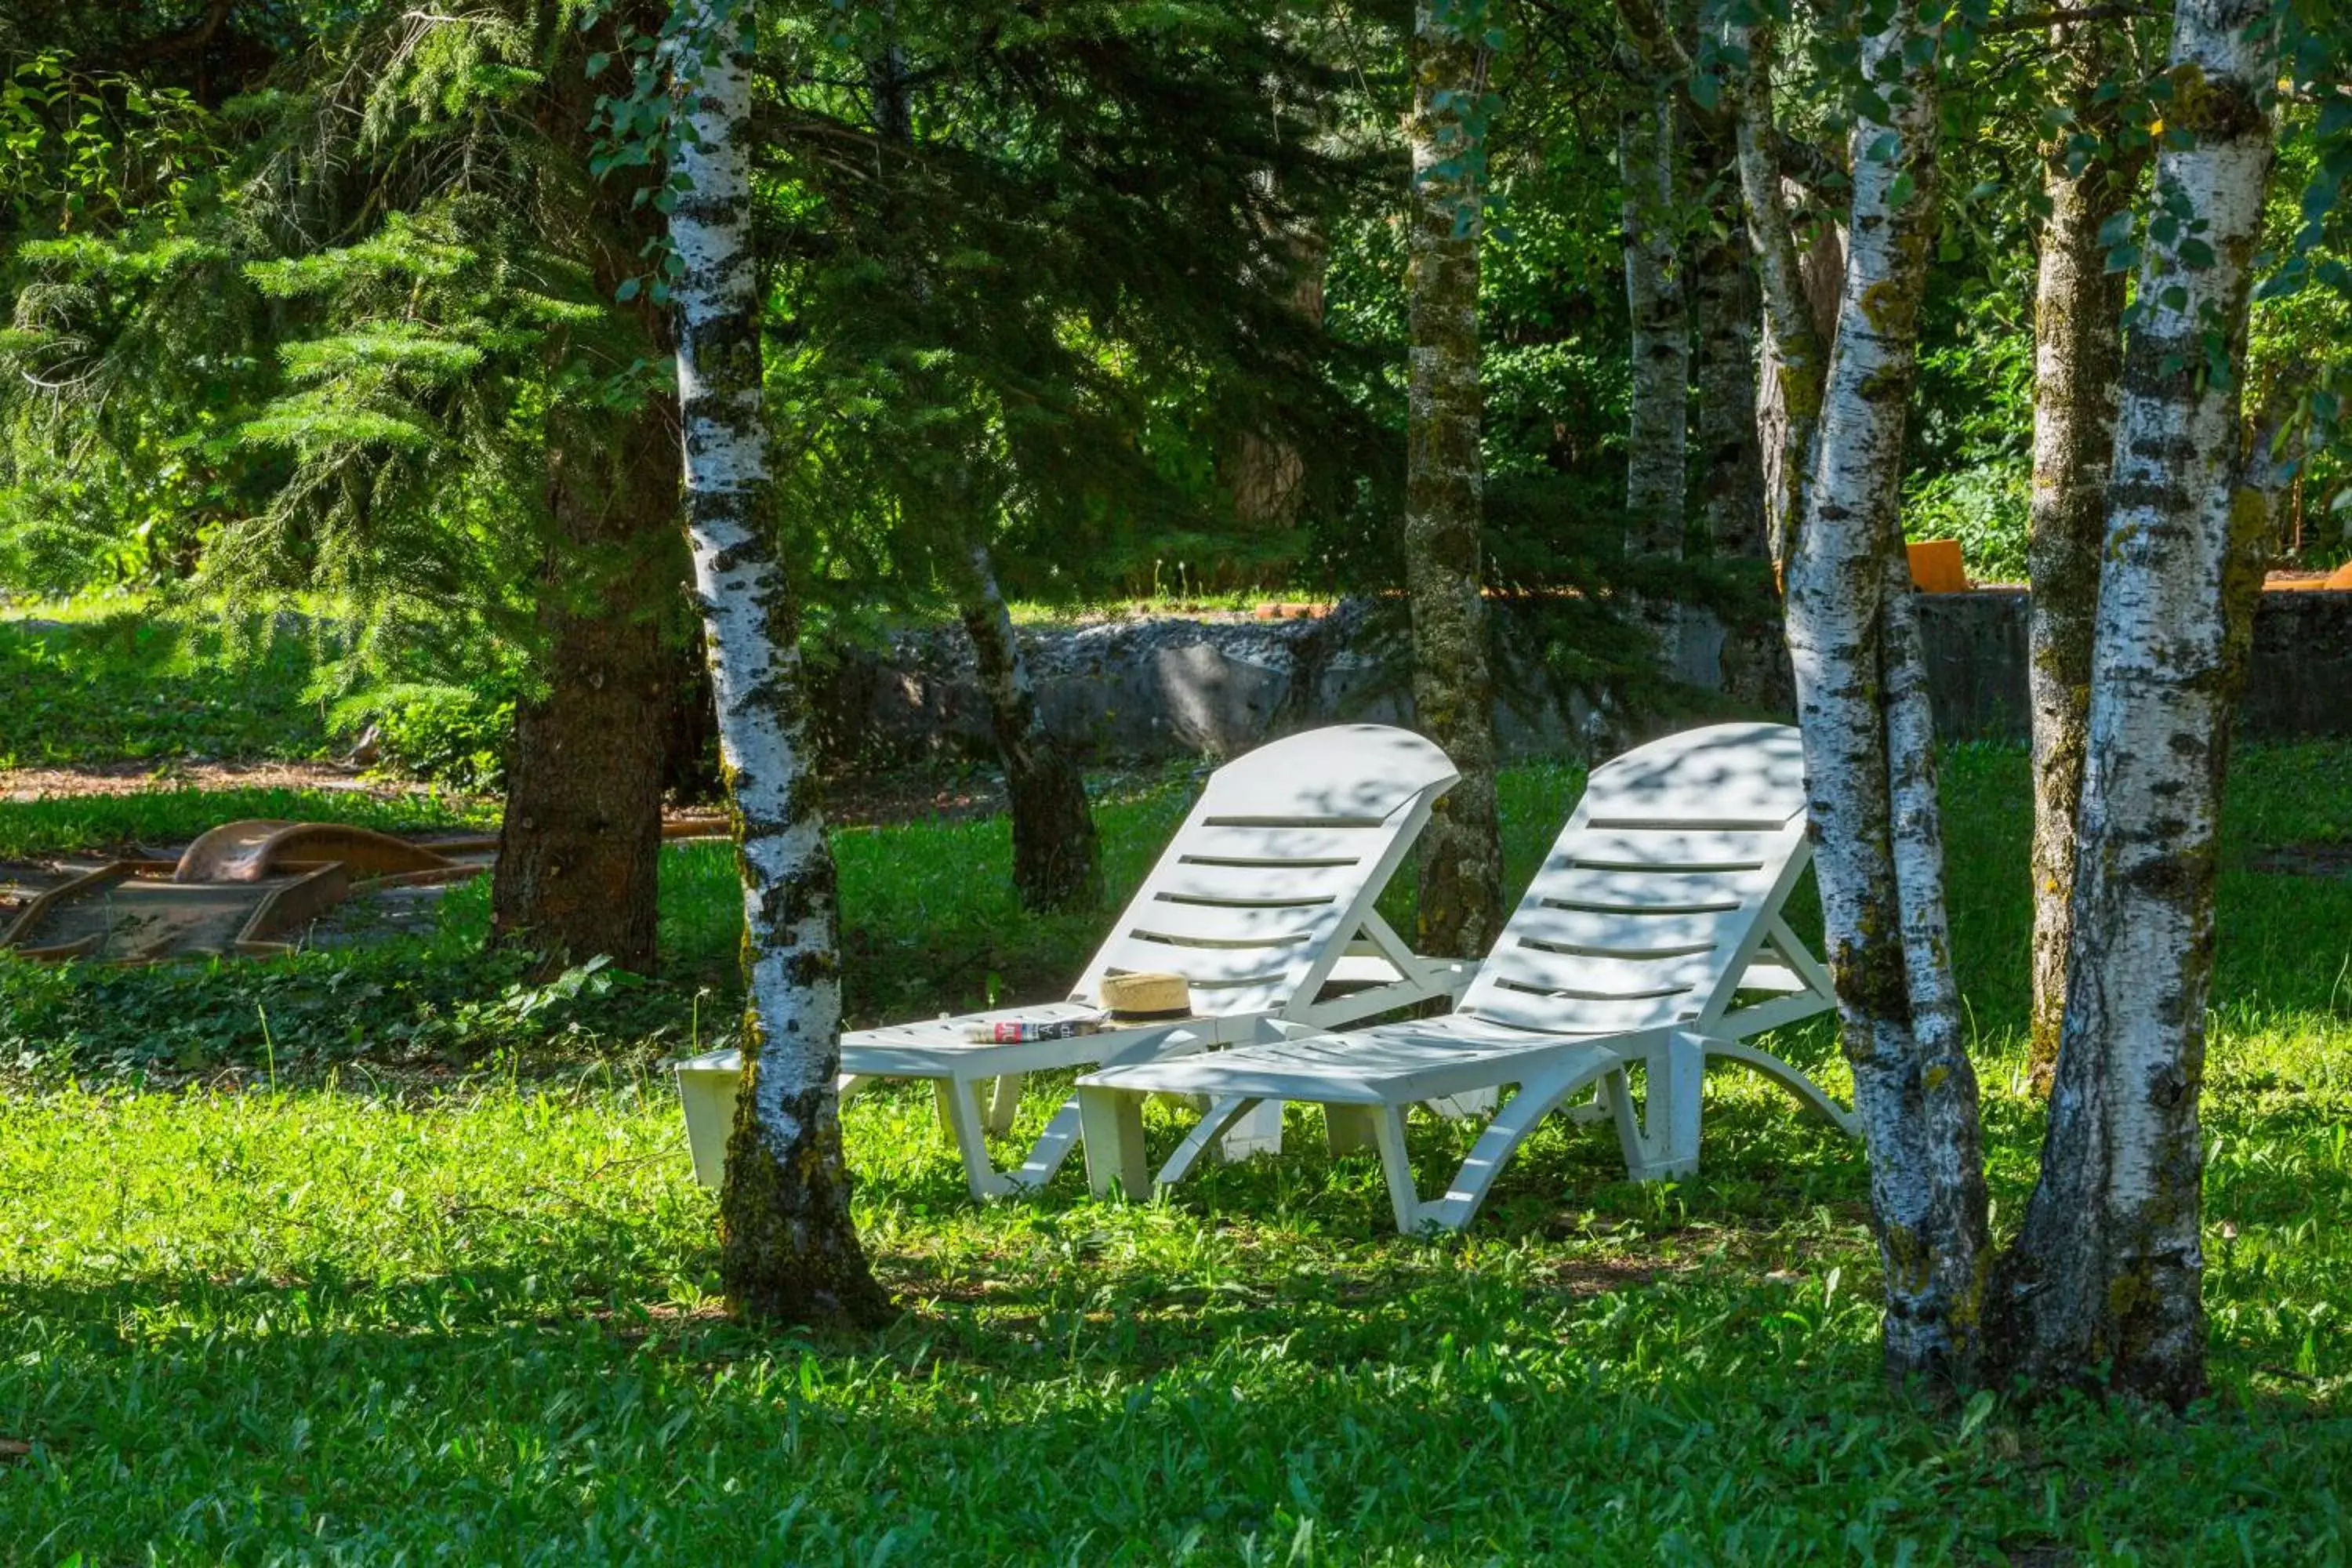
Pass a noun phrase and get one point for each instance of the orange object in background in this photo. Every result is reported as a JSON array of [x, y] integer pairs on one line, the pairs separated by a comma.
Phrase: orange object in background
[[2341, 577], [1937, 566]]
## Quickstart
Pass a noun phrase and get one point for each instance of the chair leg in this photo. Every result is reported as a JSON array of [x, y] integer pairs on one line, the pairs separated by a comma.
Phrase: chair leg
[[1113, 1124], [959, 1101], [943, 1092], [1468, 1103], [1053, 1147], [1256, 1131], [1468, 1192], [1396, 1164], [1206, 1134], [1808, 1093], [1348, 1128], [1004, 1104], [1670, 1112]]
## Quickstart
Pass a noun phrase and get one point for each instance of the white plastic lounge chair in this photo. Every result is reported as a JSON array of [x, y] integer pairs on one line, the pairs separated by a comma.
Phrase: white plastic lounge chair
[[1263, 902], [1643, 938]]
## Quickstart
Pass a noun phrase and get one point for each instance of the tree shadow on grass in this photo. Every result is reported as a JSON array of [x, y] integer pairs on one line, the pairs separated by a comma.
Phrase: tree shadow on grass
[[1421, 1404]]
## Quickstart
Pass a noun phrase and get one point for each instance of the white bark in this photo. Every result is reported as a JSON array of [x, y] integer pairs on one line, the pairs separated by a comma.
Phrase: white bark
[[1869, 758], [2109, 1263], [788, 1247], [2078, 354]]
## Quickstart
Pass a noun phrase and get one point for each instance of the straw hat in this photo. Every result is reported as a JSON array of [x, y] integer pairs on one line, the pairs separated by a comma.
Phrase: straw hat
[[1146, 996]]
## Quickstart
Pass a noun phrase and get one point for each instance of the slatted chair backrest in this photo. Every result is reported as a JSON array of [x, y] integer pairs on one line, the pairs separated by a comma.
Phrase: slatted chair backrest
[[1276, 869], [1653, 901]]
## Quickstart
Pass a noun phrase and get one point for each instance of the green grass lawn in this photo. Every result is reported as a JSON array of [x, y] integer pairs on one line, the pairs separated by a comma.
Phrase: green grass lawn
[[366, 1317]]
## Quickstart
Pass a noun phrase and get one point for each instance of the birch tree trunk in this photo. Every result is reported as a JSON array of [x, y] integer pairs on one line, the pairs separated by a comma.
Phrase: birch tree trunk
[[2078, 353], [2108, 1268], [1869, 747], [787, 1247], [1657, 438], [1461, 910], [1796, 349], [1057, 858]]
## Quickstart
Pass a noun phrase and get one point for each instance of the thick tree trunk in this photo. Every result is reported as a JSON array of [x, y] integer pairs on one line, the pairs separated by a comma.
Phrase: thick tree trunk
[[1057, 858], [1869, 758], [1453, 685], [787, 1247], [2107, 1270], [579, 850], [2078, 352], [1820, 278], [1268, 476]]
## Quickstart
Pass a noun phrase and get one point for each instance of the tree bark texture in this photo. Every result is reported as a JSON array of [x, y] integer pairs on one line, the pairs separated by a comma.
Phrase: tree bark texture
[[1725, 308], [2078, 353], [2108, 1266], [1057, 858], [1796, 351], [1870, 757], [1461, 910], [1726, 311], [580, 849], [787, 1247], [1269, 476], [1657, 436]]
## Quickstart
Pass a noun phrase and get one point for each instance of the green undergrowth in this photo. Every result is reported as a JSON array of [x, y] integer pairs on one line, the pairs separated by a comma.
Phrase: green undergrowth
[[127, 687], [376, 1296]]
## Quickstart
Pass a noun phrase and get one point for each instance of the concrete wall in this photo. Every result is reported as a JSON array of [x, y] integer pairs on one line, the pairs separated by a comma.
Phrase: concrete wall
[[2300, 682], [1167, 686]]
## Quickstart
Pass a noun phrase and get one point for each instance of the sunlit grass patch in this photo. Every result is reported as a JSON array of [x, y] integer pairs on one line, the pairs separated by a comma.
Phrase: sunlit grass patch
[[351, 1322]]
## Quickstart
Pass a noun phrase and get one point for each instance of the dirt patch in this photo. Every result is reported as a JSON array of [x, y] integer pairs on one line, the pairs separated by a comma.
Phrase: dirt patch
[[2313, 857], [891, 799], [139, 778], [1579, 1277]]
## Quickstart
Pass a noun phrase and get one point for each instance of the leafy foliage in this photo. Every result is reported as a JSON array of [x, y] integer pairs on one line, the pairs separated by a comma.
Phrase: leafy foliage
[[131, 687]]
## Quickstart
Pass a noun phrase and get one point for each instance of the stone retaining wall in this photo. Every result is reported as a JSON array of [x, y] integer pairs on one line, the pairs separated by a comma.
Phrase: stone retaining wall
[[1170, 686]]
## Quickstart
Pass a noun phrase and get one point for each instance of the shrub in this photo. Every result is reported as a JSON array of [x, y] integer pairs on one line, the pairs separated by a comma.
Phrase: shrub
[[452, 735], [1985, 508]]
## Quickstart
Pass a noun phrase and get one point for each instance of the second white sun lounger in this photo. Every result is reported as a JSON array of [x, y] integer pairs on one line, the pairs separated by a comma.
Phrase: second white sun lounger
[[1653, 933], [1263, 902]]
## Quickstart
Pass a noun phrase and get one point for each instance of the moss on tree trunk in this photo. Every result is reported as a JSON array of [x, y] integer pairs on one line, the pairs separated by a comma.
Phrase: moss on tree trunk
[[788, 1248], [2106, 1277], [2078, 353], [1453, 681], [1056, 856]]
